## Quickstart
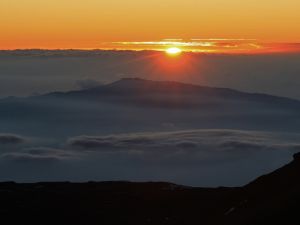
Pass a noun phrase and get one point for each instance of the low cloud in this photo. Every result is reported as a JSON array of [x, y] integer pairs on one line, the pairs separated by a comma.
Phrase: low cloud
[[180, 140], [205, 157], [38, 154], [11, 139], [243, 145], [180, 146], [188, 147]]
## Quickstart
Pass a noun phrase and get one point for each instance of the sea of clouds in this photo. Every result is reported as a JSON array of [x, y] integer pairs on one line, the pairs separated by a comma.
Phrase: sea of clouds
[[205, 157]]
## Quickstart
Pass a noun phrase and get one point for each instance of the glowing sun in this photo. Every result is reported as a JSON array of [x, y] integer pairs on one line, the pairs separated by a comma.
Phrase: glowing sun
[[173, 51]]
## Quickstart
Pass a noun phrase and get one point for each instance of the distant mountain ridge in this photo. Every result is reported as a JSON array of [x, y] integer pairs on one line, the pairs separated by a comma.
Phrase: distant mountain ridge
[[143, 85], [147, 105], [156, 91]]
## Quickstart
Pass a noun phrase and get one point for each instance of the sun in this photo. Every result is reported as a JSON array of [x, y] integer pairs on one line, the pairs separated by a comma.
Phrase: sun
[[173, 51]]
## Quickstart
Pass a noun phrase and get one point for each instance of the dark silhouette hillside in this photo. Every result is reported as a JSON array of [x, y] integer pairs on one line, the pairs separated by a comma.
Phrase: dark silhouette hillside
[[270, 199]]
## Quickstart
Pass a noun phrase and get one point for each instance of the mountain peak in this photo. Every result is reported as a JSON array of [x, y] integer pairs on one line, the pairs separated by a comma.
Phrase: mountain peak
[[154, 85], [125, 82], [132, 79], [142, 85]]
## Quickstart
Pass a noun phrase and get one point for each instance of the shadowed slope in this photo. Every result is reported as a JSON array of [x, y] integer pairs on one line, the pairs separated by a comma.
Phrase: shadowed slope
[[271, 199]]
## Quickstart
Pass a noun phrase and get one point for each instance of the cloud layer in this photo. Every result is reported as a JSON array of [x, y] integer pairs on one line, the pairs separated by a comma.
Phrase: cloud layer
[[11, 139], [38, 154], [205, 157], [191, 146], [176, 140]]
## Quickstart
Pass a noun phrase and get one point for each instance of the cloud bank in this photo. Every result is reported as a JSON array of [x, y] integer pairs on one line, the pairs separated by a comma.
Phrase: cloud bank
[[204, 157], [187, 147], [38, 154], [11, 139]]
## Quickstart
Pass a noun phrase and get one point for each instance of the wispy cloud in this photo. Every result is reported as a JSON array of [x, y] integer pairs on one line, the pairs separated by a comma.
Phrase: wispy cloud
[[11, 139], [168, 43], [38, 154], [213, 45], [189, 141]]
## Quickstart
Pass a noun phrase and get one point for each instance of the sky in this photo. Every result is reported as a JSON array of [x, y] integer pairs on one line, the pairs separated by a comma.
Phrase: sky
[[93, 23]]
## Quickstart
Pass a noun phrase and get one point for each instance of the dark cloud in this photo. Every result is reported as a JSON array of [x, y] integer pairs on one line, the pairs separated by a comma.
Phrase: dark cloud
[[188, 140], [11, 139], [195, 157], [187, 144], [184, 147], [29, 158], [243, 145], [38, 154]]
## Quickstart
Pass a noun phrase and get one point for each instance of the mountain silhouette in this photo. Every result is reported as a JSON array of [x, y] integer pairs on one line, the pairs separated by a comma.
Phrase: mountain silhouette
[[174, 94], [271, 199], [134, 105]]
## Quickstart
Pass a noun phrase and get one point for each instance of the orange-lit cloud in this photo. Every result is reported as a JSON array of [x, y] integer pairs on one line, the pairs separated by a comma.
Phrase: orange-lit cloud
[[229, 46]]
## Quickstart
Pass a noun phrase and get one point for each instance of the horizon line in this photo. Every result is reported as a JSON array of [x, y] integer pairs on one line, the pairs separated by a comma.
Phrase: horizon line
[[184, 51]]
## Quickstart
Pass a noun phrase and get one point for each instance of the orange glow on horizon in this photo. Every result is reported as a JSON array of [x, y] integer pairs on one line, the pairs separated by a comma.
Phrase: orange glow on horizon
[[207, 46], [178, 67], [91, 24], [215, 47]]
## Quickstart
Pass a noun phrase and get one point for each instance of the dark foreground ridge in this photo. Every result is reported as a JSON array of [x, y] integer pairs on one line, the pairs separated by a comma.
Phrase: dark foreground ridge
[[271, 199]]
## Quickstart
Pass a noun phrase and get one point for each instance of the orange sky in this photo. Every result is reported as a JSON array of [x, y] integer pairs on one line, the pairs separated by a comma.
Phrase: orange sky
[[90, 23]]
